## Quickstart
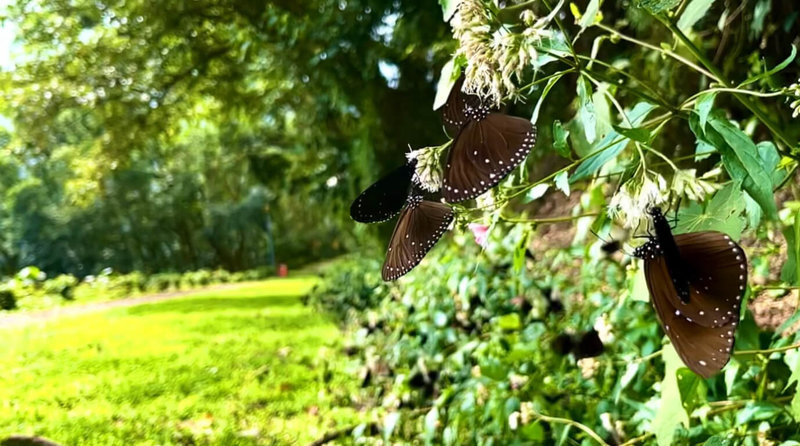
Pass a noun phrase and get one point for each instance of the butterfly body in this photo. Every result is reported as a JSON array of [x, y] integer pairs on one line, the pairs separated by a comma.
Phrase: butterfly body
[[696, 283]]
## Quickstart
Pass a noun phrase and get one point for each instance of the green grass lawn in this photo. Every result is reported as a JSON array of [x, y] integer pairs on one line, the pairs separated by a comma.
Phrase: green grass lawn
[[243, 366]]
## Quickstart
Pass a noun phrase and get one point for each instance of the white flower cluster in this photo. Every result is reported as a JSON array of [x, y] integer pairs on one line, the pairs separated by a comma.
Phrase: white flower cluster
[[685, 182], [428, 172], [634, 198], [794, 90], [604, 329], [495, 56], [589, 367]]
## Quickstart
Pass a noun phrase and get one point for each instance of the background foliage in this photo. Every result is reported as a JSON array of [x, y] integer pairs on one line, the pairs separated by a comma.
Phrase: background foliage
[[205, 136]]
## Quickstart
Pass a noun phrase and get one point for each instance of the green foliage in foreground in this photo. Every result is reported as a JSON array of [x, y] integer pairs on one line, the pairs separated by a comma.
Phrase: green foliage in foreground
[[466, 350], [244, 366]]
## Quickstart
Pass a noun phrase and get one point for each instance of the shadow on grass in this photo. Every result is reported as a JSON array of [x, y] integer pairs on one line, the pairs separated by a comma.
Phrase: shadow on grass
[[210, 304]]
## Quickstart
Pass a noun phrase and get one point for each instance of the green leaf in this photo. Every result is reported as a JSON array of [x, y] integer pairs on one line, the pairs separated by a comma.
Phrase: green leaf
[[670, 410], [509, 321], [721, 214], [658, 6], [777, 68], [560, 135], [448, 8], [389, 423], [431, 422], [536, 192], [639, 289], [446, 82], [694, 11], [610, 146], [636, 134], [716, 440], [533, 432], [752, 210], [586, 112], [757, 411], [747, 333], [550, 83], [521, 249], [692, 388], [703, 106], [790, 272], [740, 158], [588, 17], [562, 182], [770, 158], [703, 150], [631, 370]]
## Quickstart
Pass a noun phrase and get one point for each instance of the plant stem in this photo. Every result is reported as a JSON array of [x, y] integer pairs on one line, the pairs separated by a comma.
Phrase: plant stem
[[719, 77], [572, 423], [767, 351], [638, 439], [548, 220], [669, 53]]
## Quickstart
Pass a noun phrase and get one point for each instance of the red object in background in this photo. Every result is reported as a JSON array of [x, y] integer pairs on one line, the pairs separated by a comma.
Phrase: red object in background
[[283, 270]]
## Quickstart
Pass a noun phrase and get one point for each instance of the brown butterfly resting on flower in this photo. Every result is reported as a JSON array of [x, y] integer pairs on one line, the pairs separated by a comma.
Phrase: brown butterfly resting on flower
[[696, 282]]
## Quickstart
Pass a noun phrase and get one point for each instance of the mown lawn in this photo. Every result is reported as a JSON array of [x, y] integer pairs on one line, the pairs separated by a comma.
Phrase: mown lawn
[[243, 366]]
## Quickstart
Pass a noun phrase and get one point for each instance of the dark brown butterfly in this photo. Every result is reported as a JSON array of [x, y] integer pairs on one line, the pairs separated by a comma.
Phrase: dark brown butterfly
[[696, 282], [420, 225], [487, 145], [587, 345], [385, 198]]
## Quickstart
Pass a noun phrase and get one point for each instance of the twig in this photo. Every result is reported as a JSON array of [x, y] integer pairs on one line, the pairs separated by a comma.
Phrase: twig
[[330, 436], [669, 53], [548, 220], [638, 439], [767, 351], [572, 423]]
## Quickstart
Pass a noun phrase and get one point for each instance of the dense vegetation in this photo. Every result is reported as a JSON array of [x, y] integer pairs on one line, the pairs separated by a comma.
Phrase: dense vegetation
[[206, 135]]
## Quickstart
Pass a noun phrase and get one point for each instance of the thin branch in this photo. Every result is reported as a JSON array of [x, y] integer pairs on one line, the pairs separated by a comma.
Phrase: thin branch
[[548, 220], [760, 114], [572, 423], [767, 351], [669, 53]]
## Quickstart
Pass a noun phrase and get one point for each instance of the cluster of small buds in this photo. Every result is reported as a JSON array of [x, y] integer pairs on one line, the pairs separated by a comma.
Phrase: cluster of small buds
[[589, 367], [496, 57], [513, 420], [794, 91], [517, 381], [686, 182], [634, 198], [428, 173], [603, 327]]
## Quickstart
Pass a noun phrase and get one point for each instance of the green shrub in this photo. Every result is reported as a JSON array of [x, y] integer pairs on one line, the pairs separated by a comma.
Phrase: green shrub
[[220, 276], [164, 282], [62, 285]]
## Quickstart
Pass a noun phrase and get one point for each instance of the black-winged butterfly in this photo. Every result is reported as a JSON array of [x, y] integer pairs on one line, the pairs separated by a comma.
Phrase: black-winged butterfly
[[385, 198], [487, 145], [420, 225], [696, 282]]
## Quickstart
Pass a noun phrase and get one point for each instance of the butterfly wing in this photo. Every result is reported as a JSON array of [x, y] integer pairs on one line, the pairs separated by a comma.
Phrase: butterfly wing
[[385, 198], [455, 111], [484, 153], [716, 268], [705, 350], [419, 227]]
